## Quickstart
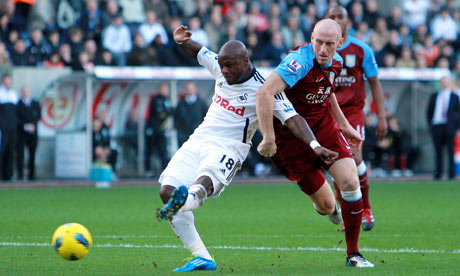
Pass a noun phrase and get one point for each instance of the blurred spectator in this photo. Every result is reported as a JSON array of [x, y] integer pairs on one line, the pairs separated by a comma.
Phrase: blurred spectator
[[443, 26], [160, 7], [66, 54], [106, 58], [443, 116], [253, 47], [90, 47], [54, 61], [141, 54], [430, 52], [381, 33], [406, 60], [8, 126], [356, 14], [198, 34], [90, 21], [117, 38], [241, 14], [447, 52], [5, 27], [389, 60], [102, 152], [308, 19], [420, 35], [54, 40], [131, 130], [213, 31], [12, 38], [165, 53], [111, 10], [442, 63], [275, 51], [76, 42], [402, 155], [38, 49], [4, 59], [404, 35], [257, 21], [393, 46], [371, 13], [394, 21], [290, 31], [321, 7], [132, 10], [155, 129], [84, 63], [415, 12], [151, 28], [19, 55], [29, 114], [202, 11], [189, 112], [419, 57], [363, 32]]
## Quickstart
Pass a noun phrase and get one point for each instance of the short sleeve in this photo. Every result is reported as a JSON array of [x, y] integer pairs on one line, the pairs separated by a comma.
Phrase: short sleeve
[[283, 108], [369, 65], [296, 65], [208, 59]]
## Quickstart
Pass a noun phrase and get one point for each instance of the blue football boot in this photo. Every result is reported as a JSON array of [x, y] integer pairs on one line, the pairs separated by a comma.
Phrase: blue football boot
[[177, 200], [197, 263]]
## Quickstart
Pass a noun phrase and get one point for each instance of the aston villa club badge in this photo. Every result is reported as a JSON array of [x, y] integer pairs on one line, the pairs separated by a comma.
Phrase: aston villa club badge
[[331, 77], [350, 60]]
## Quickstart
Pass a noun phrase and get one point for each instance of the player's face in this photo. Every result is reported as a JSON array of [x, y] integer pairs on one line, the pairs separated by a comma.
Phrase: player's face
[[340, 16], [232, 68], [325, 44]]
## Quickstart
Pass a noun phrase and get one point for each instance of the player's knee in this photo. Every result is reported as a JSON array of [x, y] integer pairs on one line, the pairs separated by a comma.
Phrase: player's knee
[[349, 183], [165, 193], [326, 207]]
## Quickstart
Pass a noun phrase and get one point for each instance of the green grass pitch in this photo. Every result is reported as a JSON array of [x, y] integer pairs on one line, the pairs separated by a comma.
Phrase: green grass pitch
[[250, 230]]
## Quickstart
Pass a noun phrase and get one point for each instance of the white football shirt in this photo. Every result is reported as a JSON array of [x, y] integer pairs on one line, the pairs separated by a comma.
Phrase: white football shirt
[[231, 119]]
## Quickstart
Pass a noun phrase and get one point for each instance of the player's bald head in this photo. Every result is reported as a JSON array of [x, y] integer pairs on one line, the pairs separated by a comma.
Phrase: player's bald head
[[328, 27], [233, 49], [336, 10], [234, 62], [326, 38]]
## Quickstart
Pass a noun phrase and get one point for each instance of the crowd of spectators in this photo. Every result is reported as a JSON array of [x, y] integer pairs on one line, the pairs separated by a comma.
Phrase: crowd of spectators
[[57, 33]]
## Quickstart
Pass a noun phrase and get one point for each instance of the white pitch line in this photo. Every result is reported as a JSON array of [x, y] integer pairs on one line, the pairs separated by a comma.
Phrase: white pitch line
[[256, 248]]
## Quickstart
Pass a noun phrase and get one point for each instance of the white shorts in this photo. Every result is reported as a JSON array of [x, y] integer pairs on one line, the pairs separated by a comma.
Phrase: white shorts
[[195, 159]]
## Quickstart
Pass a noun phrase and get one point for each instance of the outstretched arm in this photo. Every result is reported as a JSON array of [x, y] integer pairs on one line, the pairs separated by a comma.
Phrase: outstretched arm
[[377, 94], [183, 36], [264, 107], [300, 128]]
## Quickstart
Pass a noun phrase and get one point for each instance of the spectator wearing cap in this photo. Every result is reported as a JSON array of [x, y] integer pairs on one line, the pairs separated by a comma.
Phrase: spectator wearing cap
[[443, 26], [117, 38]]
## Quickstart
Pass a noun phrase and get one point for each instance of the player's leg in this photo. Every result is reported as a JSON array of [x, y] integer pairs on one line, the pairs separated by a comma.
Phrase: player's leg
[[368, 220], [345, 174], [325, 204]]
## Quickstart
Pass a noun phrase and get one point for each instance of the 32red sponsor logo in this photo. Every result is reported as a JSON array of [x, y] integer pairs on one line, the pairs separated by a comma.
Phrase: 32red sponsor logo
[[226, 105]]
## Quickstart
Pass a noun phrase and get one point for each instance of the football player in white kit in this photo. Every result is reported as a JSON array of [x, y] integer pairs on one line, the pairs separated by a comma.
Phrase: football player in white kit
[[207, 162]]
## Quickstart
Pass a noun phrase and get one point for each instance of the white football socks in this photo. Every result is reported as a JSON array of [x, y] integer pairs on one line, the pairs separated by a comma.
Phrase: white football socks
[[196, 197], [183, 225]]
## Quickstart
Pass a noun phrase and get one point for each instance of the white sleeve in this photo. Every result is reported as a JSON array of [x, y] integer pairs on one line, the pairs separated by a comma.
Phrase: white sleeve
[[208, 59], [283, 109]]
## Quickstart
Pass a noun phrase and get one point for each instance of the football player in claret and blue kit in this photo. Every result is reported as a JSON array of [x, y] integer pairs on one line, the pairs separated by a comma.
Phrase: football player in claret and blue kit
[[307, 77], [359, 62]]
